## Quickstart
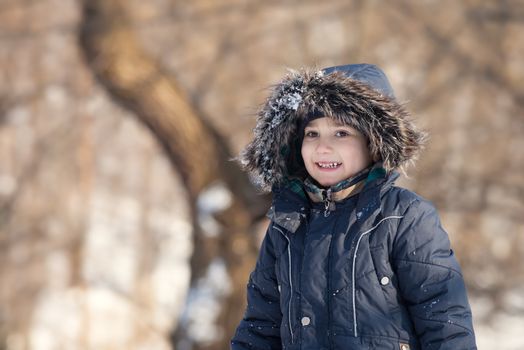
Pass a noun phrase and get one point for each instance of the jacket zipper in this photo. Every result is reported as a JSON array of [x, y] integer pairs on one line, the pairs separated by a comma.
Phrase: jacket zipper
[[329, 204], [355, 331], [290, 282]]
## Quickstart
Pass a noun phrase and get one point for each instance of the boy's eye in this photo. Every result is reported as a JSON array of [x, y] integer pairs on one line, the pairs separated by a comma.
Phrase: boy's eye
[[342, 133], [311, 133]]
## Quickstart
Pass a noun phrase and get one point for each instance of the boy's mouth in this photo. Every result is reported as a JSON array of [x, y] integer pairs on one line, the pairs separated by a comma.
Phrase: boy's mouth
[[328, 165]]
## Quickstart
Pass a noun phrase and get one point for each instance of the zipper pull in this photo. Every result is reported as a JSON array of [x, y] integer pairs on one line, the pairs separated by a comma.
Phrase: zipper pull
[[329, 204]]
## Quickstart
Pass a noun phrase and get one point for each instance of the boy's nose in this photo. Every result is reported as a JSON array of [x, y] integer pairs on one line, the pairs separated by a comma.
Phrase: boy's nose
[[323, 146]]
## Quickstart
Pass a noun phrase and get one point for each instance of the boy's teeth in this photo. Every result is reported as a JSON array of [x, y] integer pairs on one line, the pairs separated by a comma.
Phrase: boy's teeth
[[328, 165]]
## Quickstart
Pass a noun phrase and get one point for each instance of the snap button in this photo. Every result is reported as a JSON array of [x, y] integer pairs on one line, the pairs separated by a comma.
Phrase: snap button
[[305, 321], [404, 347], [384, 281]]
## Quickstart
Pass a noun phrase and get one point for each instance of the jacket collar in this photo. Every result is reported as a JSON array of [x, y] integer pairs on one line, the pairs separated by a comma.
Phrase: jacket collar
[[291, 204], [336, 193], [339, 191]]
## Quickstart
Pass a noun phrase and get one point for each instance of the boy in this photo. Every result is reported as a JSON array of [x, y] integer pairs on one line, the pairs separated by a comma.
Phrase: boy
[[349, 261]]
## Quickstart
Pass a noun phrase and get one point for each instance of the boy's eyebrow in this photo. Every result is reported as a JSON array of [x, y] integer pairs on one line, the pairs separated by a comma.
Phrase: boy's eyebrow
[[335, 123], [339, 123], [311, 125]]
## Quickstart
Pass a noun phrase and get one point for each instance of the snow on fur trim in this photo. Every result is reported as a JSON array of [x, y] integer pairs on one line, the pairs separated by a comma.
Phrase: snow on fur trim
[[393, 139]]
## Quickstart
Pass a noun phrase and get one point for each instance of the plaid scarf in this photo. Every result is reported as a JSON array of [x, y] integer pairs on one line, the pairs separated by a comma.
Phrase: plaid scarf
[[342, 190]]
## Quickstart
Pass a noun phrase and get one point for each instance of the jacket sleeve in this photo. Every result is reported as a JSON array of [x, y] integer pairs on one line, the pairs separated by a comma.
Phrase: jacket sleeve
[[260, 327], [430, 281]]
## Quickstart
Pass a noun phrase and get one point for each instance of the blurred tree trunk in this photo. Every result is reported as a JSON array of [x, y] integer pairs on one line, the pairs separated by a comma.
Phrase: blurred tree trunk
[[195, 149]]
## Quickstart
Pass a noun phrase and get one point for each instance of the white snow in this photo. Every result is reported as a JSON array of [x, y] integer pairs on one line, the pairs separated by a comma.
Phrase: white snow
[[111, 244], [503, 332], [214, 199], [204, 304]]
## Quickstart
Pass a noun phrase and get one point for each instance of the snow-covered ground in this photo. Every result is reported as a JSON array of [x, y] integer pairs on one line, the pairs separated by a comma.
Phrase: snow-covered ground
[[501, 330]]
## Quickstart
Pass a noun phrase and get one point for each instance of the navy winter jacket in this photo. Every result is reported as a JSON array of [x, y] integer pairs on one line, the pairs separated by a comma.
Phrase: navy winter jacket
[[376, 273]]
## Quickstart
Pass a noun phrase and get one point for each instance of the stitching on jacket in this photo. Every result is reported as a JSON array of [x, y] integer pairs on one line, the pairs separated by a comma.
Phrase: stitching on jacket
[[290, 282], [265, 295], [420, 201], [439, 321], [355, 332], [430, 263], [386, 337], [264, 269]]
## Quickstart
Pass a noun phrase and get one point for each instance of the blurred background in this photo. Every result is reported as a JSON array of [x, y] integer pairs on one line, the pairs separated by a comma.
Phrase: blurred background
[[124, 224]]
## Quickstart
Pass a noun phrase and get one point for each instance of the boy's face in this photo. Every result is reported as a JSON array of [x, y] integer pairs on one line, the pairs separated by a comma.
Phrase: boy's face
[[333, 152]]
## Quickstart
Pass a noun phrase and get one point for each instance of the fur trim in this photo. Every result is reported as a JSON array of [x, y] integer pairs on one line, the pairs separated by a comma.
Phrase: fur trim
[[393, 139]]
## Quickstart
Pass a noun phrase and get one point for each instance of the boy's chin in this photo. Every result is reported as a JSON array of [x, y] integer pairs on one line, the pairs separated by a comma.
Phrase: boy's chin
[[326, 182]]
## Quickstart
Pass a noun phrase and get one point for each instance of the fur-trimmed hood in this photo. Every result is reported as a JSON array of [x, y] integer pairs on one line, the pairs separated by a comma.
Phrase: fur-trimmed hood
[[358, 95]]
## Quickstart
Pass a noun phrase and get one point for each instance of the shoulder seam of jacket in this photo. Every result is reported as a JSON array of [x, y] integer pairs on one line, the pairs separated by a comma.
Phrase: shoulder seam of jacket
[[381, 221], [416, 199]]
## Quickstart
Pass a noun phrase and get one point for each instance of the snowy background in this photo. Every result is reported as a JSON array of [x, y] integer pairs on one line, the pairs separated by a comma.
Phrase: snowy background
[[95, 226]]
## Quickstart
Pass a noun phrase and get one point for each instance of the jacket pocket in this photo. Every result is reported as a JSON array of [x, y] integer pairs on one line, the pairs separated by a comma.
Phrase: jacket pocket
[[386, 283], [385, 277]]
